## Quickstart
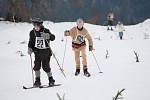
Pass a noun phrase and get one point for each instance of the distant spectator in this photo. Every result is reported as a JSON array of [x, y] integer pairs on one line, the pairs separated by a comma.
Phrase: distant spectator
[[120, 28], [110, 20]]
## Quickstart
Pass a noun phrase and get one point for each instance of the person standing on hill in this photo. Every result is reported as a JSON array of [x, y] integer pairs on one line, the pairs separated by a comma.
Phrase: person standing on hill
[[110, 20], [39, 39], [120, 28], [78, 35]]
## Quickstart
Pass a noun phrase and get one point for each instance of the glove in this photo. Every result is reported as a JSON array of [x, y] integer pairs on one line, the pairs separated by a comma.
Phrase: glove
[[52, 37], [46, 36], [66, 33], [90, 47], [30, 51]]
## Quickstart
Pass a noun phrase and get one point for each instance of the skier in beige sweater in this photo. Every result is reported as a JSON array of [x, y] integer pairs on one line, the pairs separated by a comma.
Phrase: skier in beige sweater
[[78, 35]]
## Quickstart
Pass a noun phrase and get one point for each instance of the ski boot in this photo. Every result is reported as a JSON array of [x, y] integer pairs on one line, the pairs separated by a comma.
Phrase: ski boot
[[51, 81], [37, 82], [111, 29], [77, 72], [86, 73], [107, 28]]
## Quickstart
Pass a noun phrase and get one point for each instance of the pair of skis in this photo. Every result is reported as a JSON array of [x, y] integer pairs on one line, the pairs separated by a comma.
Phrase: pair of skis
[[42, 86]]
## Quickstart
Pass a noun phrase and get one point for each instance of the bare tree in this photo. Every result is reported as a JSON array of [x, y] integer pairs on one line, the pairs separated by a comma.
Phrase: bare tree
[[107, 54], [119, 95], [98, 38], [59, 97], [137, 56], [146, 35]]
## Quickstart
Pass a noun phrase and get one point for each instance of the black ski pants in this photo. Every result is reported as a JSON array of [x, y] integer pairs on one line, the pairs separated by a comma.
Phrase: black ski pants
[[42, 59]]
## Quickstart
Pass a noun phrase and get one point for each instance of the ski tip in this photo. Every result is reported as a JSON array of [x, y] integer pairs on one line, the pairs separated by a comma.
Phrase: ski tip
[[24, 87]]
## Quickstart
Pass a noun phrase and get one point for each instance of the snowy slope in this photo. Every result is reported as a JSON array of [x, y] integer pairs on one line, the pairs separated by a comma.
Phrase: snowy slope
[[119, 71]]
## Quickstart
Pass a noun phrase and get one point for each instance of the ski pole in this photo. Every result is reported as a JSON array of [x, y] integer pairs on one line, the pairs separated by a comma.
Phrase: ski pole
[[62, 71], [96, 62], [64, 53], [56, 60], [32, 69]]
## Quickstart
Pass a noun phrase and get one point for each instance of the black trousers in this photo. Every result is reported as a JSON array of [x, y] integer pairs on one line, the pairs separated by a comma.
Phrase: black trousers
[[110, 22], [42, 59]]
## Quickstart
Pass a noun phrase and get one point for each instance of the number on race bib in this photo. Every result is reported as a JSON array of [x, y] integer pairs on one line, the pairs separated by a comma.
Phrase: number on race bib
[[40, 43]]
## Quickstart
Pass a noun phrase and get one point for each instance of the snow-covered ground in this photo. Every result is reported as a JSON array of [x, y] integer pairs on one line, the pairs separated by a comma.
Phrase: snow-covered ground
[[120, 69]]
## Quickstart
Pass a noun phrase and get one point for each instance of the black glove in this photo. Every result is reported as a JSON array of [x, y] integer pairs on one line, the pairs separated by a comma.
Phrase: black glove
[[30, 51], [90, 47], [52, 37]]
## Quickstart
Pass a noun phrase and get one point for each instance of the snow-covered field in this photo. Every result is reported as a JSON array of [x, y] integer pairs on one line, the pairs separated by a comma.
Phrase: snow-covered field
[[120, 69]]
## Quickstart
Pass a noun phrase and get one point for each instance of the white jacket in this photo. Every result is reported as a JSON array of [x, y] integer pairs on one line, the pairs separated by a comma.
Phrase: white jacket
[[120, 28]]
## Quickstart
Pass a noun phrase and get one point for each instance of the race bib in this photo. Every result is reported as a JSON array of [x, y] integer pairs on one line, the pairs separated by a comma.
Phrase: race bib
[[79, 39], [40, 43]]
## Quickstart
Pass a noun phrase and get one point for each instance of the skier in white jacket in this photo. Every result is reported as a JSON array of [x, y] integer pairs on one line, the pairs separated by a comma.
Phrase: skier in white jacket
[[120, 28]]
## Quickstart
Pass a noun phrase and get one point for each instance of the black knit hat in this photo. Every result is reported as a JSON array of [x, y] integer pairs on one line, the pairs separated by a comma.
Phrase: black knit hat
[[37, 21]]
